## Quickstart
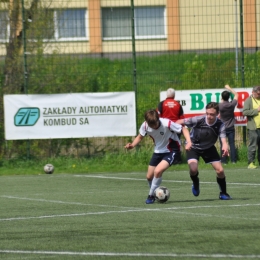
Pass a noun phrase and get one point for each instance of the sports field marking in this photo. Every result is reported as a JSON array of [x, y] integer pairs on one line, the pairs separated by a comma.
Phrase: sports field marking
[[77, 203], [137, 179], [61, 202], [130, 254], [135, 210]]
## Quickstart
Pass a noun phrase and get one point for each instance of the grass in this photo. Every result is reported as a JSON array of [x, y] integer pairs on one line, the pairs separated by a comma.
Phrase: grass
[[103, 216], [134, 160]]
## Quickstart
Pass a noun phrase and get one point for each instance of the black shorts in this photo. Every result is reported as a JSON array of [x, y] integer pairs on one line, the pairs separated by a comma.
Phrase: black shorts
[[171, 158], [209, 155]]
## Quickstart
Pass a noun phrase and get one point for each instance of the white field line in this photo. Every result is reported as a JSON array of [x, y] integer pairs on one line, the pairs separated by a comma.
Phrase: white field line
[[130, 254], [128, 210], [62, 202], [137, 179]]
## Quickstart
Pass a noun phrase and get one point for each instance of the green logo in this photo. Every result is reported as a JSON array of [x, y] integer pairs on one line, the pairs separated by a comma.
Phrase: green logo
[[27, 116]]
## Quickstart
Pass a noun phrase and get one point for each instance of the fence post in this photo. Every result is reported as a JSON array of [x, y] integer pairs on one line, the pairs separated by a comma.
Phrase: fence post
[[134, 57], [25, 67], [242, 56]]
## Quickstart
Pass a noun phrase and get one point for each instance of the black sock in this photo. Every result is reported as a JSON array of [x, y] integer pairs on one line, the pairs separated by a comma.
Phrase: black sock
[[222, 185], [195, 179]]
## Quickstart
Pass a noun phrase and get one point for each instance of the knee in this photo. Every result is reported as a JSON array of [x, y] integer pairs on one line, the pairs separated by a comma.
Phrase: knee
[[220, 174], [193, 168], [149, 177], [157, 173]]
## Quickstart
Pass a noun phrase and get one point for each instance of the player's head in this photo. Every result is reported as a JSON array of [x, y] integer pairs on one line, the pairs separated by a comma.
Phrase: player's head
[[152, 118], [225, 95], [256, 92], [170, 93], [212, 110]]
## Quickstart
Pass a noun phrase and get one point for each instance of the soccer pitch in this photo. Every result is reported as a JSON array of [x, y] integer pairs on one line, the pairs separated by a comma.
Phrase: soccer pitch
[[104, 216]]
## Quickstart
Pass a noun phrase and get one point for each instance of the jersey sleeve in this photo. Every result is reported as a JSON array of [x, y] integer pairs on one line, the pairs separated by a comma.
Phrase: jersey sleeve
[[222, 131], [142, 130], [175, 127], [191, 121]]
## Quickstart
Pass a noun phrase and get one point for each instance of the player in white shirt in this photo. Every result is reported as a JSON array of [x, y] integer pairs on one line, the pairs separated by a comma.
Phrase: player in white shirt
[[167, 147]]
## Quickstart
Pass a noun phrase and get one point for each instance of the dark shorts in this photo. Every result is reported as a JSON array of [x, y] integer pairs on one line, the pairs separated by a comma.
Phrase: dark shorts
[[209, 155], [171, 158]]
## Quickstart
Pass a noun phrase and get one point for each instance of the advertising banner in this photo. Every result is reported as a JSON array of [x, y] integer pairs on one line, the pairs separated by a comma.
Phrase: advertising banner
[[194, 101], [69, 115]]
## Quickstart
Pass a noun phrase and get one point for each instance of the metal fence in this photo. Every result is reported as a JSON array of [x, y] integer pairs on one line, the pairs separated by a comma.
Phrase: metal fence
[[57, 46]]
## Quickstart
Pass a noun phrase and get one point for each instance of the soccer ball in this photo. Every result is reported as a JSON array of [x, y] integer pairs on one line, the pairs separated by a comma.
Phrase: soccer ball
[[48, 168], [162, 194]]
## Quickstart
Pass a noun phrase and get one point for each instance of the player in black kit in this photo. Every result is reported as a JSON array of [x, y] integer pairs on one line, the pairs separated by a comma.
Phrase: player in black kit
[[205, 131]]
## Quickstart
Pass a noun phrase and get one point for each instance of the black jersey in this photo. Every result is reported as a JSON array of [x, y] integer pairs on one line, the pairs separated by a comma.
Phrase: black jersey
[[203, 135]]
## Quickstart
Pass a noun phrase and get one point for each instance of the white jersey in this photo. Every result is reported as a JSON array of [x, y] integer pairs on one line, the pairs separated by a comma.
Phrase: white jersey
[[165, 138]]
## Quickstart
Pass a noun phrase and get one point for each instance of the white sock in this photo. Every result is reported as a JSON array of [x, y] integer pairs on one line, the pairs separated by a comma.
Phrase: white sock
[[155, 184]]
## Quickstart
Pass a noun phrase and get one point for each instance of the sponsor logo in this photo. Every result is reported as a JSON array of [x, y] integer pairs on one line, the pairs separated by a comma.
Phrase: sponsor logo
[[27, 116]]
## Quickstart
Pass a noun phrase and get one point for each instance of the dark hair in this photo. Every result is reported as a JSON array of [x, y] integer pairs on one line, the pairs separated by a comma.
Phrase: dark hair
[[151, 117], [213, 105], [225, 95], [256, 88]]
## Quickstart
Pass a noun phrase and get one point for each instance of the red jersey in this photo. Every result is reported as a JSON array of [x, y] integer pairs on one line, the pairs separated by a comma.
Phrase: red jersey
[[171, 109]]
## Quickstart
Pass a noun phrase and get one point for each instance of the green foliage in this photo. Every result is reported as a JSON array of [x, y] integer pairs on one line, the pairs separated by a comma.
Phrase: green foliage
[[58, 73], [251, 74]]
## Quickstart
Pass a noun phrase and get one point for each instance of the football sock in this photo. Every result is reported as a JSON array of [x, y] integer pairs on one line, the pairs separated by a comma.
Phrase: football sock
[[155, 184], [149, 183], [195, 179], [222, 185]]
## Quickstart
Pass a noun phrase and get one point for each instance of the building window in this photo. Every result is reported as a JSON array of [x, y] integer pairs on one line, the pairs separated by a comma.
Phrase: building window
[[70, 24], [150, 23], [4, 26], [65, 25], [59, 25]]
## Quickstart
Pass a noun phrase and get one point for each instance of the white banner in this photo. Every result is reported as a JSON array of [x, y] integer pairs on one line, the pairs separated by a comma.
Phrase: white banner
[[69, 115], [194, 101]]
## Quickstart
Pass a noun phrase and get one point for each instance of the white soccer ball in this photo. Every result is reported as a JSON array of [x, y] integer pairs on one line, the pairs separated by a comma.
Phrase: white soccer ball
[[162, 194], [48, 168]]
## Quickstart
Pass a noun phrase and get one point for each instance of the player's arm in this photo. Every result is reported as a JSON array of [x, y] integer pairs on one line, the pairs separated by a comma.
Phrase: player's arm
[[186, 135], [180, 121], [224, 146], [136, 141]]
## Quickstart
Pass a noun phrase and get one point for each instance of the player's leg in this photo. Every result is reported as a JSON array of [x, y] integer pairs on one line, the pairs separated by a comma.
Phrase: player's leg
[[157, 179], [221, 180], [193, 159], [212, 157], [167, 159], [150, 176], [162, 162], [152, 180]]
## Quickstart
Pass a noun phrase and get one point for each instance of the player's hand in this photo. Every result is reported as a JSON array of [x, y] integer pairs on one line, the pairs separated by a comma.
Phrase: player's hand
[[188, 146], [129, 146], [225, 152]]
